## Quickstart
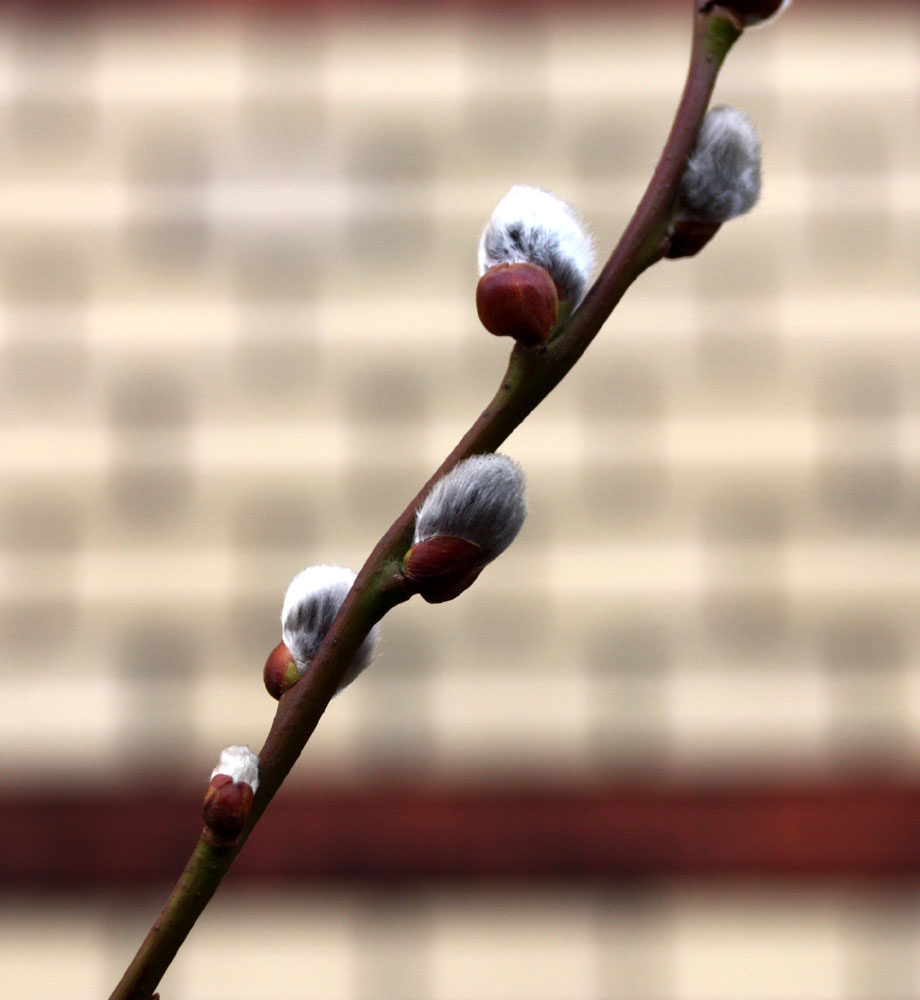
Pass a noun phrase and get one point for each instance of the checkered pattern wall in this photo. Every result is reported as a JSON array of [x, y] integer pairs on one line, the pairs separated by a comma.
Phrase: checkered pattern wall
[[237, 332]]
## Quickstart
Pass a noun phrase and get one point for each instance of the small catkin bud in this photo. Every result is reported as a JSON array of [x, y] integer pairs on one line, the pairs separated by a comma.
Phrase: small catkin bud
[[471, 515], [228, 798], [722, 177], [751, 13], [311, 603], [532, 226]]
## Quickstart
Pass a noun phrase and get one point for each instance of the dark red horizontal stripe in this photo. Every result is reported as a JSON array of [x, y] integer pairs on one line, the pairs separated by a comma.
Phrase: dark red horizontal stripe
[[405, 834]]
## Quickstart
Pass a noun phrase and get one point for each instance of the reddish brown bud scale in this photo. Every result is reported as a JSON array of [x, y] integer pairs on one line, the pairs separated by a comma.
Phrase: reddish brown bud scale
[[280, 673], [688, 237], [226, 809], [519, 301], [443, 567]]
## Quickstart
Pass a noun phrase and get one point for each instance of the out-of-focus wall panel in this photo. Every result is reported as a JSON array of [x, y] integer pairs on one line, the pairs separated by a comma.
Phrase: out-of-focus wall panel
[[237, 331]]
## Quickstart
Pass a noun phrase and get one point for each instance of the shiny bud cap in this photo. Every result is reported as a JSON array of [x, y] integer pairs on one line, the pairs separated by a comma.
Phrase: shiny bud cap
[[518, 300], [442, 567], [281, 672], [226, 808]]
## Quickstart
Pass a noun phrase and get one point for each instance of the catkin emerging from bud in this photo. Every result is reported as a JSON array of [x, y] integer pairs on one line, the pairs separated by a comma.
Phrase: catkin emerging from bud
[[228, 799], [240, 764], [532, 226], [470, 516], [311, 603], [482, 499], [722, 177]]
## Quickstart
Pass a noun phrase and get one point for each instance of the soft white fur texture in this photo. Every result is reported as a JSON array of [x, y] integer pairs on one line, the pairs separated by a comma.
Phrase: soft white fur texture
[[532, 226], [311, 603], [722, 178], [482, 499], [241, 764]]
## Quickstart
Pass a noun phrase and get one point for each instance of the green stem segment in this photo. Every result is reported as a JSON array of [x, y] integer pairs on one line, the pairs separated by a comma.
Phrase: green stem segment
[[531, 376]]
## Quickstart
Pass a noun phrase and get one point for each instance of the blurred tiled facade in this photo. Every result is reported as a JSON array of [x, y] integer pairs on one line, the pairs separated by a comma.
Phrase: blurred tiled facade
[[237, 332]]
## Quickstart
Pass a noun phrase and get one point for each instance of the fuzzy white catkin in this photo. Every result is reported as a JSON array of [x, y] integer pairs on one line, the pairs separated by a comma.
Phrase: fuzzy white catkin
[[311, 603], [722, 177], [241, 764], [532, 226], [481, 499]]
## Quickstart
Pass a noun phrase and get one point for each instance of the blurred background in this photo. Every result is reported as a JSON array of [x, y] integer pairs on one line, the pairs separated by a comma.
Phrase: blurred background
[[666, 748]]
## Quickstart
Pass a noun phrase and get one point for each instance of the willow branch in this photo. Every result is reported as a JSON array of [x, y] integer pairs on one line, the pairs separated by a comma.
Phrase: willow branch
[[531, 375]]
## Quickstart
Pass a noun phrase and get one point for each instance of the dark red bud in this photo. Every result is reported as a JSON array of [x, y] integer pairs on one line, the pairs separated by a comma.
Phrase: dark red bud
[[688, 237], [519, 301], [280, 673], [226, 809], [443, 567], [750, 12]]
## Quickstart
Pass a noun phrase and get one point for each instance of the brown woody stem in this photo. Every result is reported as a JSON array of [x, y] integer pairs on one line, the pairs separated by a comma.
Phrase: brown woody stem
[[530, 377]]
